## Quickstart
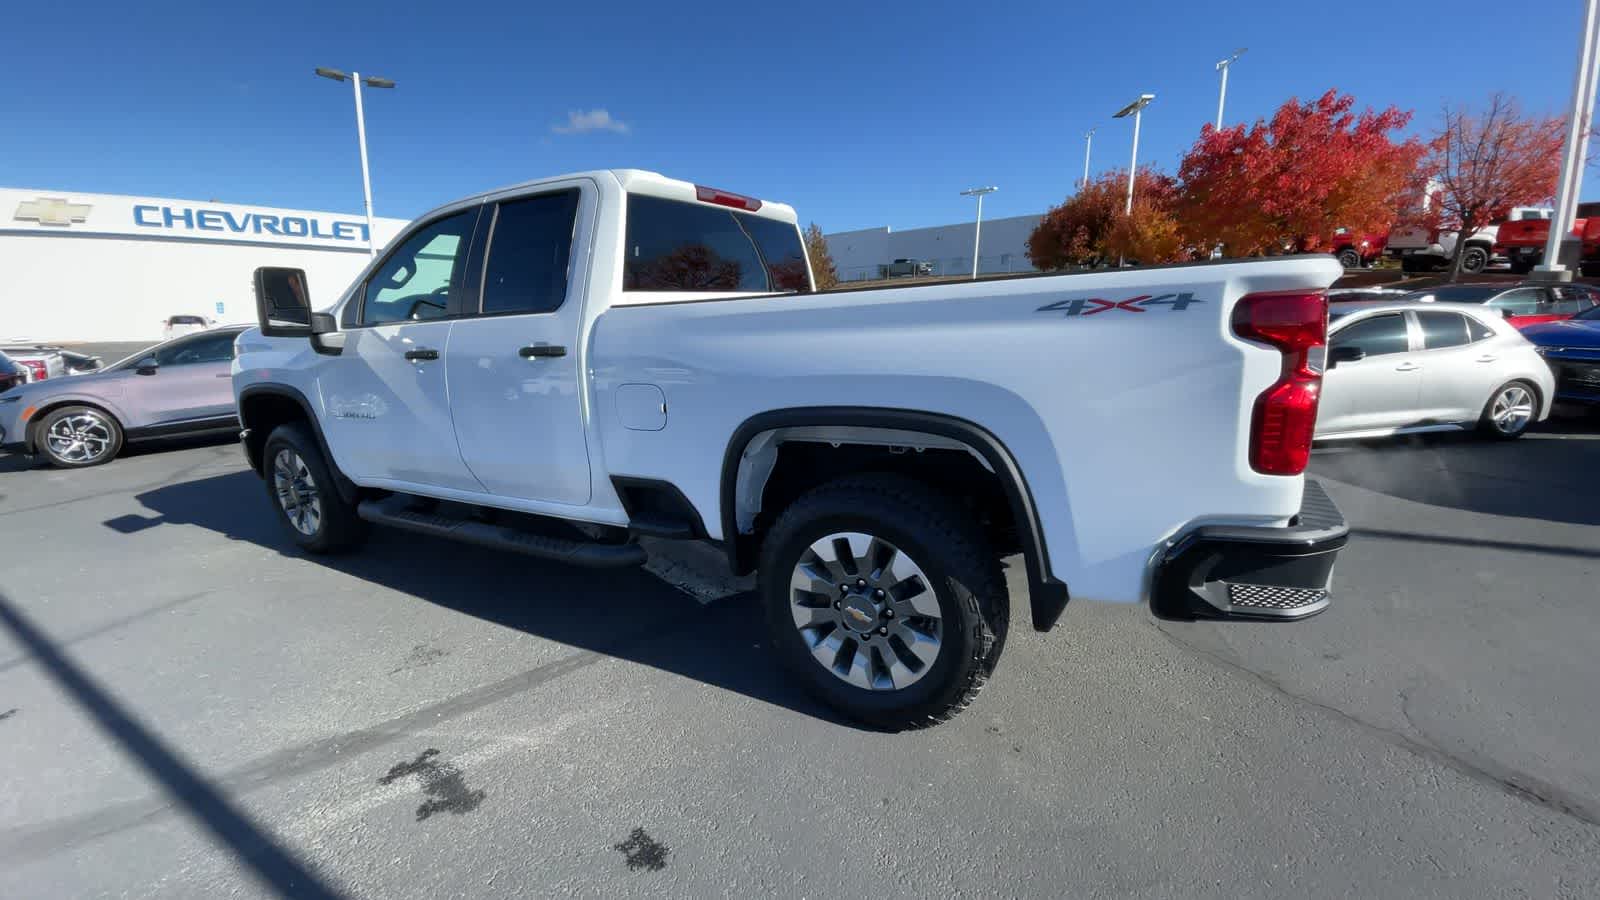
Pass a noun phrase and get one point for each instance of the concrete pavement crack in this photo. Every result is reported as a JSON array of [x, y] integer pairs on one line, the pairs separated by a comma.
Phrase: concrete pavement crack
[[1517, 784]]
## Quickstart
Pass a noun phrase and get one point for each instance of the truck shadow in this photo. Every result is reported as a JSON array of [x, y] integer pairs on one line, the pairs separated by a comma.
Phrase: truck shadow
[[623, 613], [1549, 474]]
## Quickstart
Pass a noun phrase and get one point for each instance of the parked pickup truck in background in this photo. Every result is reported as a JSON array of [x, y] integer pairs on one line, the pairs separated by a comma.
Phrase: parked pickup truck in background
[[1523, 242], [1420, 249], [1356, 250], [563, 366], [902, 268]]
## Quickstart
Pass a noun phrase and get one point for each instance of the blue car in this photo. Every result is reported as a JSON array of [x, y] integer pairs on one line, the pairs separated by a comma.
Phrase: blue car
[[1572, 348]]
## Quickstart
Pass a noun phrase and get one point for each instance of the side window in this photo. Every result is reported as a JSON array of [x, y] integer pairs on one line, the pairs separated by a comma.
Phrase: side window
[[676, 246], [1520, 302], [1378, 335], [529, 250], [1478, 330], [784, 255], [1443, 329], [208, 348], [1570, 301], [413, 283]]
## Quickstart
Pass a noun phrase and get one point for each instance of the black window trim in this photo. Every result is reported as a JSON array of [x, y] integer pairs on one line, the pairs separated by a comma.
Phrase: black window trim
[[480, 269], [451, 307]]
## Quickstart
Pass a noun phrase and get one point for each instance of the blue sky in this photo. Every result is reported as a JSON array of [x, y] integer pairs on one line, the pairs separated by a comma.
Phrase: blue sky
[[859, 114]]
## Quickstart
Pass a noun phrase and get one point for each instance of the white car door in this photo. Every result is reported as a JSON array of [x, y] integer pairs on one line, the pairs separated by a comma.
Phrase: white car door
[[1373, 380], [386, 395], [513, 358], [1459, 370]]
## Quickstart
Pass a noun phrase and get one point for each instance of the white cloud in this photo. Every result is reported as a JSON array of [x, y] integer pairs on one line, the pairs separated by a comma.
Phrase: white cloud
[[583, 122]]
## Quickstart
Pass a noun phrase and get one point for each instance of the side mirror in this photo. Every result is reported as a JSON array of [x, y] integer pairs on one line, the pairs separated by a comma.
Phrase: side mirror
[[283, 302], [147, 366], [1347, 353], [326, 338]]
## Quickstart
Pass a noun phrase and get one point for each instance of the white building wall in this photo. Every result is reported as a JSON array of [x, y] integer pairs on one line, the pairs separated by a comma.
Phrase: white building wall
[[859, 255], [111, 268]]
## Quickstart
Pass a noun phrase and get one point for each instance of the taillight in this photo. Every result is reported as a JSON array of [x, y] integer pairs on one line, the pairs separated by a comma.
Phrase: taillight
[[1285, 415], [39, 369], [725, 198]]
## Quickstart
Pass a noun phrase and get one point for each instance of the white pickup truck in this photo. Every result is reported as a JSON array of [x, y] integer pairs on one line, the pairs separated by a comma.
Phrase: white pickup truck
[[562, 366]]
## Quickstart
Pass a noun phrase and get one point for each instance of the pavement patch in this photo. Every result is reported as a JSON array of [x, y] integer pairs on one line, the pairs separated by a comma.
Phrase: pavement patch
[[642, 852], [443, 783]]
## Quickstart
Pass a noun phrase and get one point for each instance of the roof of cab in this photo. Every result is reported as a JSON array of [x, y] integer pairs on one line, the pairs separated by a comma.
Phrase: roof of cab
[[645, 182]]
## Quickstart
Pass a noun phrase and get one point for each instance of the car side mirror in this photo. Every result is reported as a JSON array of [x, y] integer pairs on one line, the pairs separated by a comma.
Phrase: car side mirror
[[1347, 353], [283, 302], [326, 338], [147, 366]]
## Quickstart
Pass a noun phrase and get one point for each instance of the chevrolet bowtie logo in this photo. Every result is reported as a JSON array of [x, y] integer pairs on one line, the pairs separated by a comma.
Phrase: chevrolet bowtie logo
[[51, 211]]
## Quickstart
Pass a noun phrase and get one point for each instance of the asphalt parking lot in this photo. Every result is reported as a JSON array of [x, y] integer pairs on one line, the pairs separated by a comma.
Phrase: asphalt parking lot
[[190, 707]]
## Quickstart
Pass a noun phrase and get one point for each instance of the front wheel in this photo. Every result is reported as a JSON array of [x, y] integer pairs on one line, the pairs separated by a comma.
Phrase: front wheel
[[1349, 258], [301, 486], [77, 437], [1474, 259], [884, 599], [1510, 411]]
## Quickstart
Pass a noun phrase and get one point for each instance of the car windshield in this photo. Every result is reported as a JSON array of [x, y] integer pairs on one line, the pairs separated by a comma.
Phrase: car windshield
[[1455, 293], [1591, 314], [187, 320]]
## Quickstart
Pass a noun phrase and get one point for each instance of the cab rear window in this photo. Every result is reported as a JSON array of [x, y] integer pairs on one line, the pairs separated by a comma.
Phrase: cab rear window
[[678, 246]]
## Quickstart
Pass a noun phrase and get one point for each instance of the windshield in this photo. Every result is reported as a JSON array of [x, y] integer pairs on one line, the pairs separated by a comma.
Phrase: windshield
[[1591, 314], [187, 320]]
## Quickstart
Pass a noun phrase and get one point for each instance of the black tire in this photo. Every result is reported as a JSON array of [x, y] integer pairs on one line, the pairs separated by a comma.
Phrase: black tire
[[1410, 265], [1521, 265], [1589, 269], [945, 543], [101, 430], [335, 527], [1474, 259], [1486, 422], [1349, 258]]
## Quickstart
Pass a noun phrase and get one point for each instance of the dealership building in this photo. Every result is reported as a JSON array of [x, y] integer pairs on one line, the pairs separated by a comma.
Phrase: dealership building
[[104, 267], [864, 255]]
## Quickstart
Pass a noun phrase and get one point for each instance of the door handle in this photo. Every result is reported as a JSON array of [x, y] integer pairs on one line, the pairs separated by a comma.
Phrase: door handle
[[1407, 367], [224, 375], [1488, 357], [542, 351], [421, 353]]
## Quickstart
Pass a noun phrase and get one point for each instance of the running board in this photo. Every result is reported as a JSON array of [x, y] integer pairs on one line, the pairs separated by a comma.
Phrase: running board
[[397, 512]]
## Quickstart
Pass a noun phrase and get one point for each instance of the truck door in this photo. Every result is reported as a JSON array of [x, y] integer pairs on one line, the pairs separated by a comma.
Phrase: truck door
[[387, 407], [514, 355]]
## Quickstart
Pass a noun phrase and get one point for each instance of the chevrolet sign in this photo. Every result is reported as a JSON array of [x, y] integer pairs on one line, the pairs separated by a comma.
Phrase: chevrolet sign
[[199, 219], [51, 211]]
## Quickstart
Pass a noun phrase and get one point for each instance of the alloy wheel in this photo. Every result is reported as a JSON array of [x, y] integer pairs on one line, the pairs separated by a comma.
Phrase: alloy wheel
[[1512, 409], [866, 610], [297, 491], [79, 438]]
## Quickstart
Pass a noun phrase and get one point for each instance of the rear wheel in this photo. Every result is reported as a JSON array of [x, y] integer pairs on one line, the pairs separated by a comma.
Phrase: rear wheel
[[1521, 265], [302, 489], [77, 437], [1510, 410], [1349, 258], [1474, 259], [883, 598]]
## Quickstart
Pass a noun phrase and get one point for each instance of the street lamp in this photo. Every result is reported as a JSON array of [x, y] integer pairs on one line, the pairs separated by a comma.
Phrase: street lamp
[[977, 231], [1574, 152], [1088, 144], [356, 81], [1222, 96], [1133, 109]]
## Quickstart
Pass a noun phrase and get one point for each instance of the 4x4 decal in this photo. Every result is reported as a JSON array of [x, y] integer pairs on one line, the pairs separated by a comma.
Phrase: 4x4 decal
[[1090, 306]]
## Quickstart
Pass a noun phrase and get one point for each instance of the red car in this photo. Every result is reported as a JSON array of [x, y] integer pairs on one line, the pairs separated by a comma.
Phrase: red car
[[1355, 251], [1528, 303]]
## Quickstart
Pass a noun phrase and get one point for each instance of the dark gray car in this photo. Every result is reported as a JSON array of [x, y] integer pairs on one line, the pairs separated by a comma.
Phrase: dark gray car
[[182, 386]]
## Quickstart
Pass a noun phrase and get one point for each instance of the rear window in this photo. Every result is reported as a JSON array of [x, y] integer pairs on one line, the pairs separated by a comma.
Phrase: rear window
[[187, 320], [678, 246]]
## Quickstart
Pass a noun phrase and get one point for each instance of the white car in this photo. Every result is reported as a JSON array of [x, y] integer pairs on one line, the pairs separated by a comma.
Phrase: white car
[[559, 367], [178, 326], [1406, 368]]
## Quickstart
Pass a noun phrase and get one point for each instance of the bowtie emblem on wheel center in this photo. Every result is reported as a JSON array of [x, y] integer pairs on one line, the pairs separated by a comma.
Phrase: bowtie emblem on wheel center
[[859, 614]]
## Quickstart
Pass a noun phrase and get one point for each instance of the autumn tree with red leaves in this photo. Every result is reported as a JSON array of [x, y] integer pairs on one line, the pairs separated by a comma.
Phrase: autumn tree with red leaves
[[1091, 227], [1289, 182], [1482, 164]]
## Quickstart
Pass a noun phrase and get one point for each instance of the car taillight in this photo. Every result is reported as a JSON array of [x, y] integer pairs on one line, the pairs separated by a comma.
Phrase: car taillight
[[39, 369], [726, 198], [1285, 415]]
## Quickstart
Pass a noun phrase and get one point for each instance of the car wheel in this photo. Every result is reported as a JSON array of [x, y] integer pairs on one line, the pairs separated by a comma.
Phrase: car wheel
[[1521, 266], [76, 437], [1474, 259], [884, 599], [1510, 411], [301, 486], [1411, 266], [1349, 258]]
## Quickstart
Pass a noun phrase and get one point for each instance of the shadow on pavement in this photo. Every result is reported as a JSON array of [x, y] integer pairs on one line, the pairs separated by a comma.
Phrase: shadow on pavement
[[1548, 475], [624, 613], [275, 865]]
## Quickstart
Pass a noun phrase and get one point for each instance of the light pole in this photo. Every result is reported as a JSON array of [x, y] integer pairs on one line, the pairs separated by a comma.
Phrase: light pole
[[1133, 109], [1088, 144], [1574, 151], [1222, 95], [977, 230], [356, 81]]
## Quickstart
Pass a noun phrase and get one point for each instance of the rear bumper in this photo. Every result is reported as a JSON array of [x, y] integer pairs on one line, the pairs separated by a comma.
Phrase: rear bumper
[[1253, 573]]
